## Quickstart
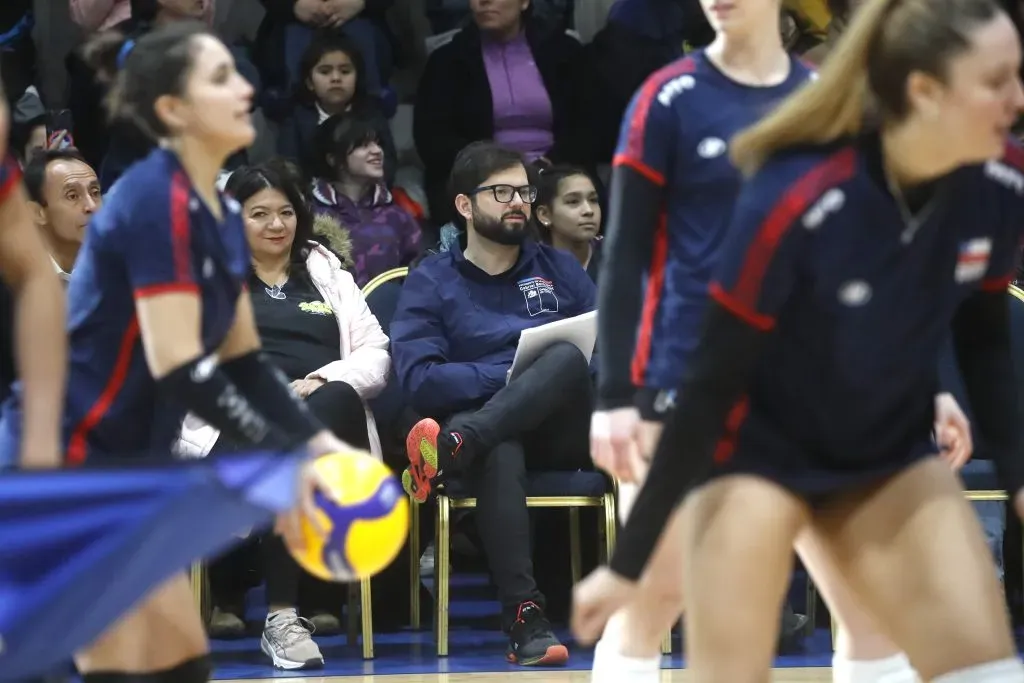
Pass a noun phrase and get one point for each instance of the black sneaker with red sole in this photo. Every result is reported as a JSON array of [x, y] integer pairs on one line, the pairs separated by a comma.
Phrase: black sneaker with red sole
[[531, 642]]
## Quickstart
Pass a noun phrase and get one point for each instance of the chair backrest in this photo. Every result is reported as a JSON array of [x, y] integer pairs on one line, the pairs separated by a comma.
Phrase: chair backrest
[[381, 294]]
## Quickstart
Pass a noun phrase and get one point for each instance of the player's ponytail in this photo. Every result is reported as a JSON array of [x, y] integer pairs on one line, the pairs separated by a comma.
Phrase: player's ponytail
[[101, 54], [865, 76], [139, 71]]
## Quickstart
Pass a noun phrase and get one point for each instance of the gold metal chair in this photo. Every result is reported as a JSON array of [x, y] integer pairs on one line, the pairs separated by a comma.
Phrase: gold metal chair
[[386, 276], [442, 547]]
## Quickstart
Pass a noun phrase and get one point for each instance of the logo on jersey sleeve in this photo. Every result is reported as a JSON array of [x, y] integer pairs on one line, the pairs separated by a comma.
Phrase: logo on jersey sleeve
[[1005, 175], [972, 259], [674, 88], [539, 294], [829, 203]]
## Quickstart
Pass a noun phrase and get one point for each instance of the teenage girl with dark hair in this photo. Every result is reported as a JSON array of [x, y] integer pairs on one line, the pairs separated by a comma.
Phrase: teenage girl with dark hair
[[160, 322], [568, 213], [350, 187]]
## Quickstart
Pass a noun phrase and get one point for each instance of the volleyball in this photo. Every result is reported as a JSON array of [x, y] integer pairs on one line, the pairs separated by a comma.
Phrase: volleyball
[[367, 527]]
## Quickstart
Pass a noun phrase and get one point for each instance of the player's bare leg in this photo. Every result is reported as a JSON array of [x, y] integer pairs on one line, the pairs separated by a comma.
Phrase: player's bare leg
[[737, 561], [630, 647], [913, 552], [863, 654], [164, 633]]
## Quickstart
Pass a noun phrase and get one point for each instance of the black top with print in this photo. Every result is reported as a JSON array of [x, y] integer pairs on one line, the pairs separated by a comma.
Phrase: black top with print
[[299, 330]]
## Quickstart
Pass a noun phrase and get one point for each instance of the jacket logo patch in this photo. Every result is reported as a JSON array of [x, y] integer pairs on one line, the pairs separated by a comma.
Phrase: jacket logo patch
[[539, 294], [316, 307]]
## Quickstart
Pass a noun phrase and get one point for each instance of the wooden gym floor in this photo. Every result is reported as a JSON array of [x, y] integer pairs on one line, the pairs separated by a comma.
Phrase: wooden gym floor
[[809, 675]]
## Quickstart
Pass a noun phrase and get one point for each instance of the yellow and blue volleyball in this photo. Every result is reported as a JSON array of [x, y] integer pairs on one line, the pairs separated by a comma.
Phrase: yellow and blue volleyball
[[365, 529]]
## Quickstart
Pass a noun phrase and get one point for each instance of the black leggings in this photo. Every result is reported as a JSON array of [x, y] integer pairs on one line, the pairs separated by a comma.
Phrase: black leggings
[[338, 407]]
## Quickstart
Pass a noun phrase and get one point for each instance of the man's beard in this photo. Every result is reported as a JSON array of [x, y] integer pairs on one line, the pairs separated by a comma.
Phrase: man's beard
[[497, 230]]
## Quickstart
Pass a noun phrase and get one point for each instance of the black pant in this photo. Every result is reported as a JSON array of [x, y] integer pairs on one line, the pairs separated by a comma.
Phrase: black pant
[[539, 422], [338, 407]]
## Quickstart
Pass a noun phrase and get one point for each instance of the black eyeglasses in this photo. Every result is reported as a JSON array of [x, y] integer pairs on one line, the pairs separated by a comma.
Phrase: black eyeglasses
[[504, 193]]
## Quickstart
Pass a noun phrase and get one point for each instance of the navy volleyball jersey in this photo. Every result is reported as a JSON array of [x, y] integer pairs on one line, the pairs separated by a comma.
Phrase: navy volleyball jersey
[[860, 300], [153, 235], [676, 134]]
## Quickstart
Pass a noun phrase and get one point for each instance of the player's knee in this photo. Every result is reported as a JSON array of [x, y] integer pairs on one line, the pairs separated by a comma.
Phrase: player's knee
[[195, 670]]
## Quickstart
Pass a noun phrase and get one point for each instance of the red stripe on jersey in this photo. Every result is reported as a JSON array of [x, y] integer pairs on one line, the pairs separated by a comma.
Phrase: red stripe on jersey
[[726, 445], [78, 445], [835, 169], [181, 228], [634, 150], [640, 167], [652, 300], [168, 288], [10, 176]]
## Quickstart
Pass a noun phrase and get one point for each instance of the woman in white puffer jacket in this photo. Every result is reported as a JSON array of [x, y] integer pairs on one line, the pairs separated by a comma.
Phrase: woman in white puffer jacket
[[316, 328]]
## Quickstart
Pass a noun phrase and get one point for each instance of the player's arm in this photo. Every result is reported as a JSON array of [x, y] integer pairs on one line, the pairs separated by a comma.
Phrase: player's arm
[[982, 345], [753, 282], [635, 212], [40, 340]]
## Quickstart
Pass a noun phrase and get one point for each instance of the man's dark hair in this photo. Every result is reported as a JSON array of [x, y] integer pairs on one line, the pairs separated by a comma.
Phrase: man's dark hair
[[477, 162], [35, 170]]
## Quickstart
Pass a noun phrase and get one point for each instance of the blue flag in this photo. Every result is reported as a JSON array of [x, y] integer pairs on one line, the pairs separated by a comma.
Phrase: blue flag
[[78, 548]]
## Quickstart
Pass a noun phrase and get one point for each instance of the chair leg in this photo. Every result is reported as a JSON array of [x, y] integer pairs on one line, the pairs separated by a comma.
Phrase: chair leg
[[200, 590], [610, 520], [575, 554], [666, 643], [366, 607], [811, 600], [442, 569], [414, 564]]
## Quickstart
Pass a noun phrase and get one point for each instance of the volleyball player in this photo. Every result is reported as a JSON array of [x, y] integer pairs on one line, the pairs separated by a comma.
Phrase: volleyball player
[[673, 189], [160, 323], [38, 337], [876, 217]]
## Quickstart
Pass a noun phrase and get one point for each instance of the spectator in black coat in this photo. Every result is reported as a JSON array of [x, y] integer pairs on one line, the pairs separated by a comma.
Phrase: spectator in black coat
[[505, 78]]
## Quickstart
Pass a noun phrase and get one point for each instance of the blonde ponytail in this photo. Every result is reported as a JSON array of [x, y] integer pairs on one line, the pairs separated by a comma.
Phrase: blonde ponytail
[[828, 109]]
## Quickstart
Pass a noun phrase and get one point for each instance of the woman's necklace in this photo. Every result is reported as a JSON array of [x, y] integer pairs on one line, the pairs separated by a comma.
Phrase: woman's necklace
[[276, 291]]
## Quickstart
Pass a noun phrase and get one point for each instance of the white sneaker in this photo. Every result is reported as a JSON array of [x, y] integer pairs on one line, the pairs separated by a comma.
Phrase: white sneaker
[[288, 641]]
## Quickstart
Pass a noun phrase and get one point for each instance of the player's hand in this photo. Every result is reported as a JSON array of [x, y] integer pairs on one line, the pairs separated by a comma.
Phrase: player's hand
[[305, 387], [312, 12], [289, 524], [341, 11], [614, 444], [595, 600], [952, 431]]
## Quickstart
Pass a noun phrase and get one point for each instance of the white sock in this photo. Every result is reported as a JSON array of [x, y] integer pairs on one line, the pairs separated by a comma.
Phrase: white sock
[[612, 667], [894, 669], [1002, 671]]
